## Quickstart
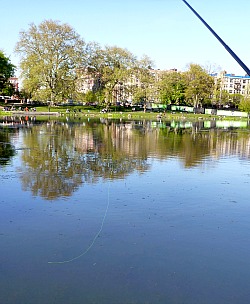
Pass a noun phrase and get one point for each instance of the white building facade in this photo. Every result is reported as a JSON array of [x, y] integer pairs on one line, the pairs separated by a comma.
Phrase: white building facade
[[233, 84]]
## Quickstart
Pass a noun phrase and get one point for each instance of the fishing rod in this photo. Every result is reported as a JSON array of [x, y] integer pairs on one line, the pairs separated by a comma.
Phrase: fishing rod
[[240, 62]]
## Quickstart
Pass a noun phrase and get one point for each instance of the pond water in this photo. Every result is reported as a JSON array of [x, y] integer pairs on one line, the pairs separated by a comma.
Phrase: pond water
[[105, 212]]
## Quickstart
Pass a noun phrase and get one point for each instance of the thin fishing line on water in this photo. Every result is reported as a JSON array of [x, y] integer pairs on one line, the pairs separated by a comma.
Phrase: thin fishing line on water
[[95, 237]]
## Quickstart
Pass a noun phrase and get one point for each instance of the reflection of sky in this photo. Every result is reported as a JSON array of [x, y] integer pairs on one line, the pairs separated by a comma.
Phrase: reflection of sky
[[227, 176]]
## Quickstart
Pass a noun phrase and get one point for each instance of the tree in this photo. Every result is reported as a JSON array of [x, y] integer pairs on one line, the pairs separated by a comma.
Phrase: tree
[[7, 70], [199, 85], [220, 97], [171, 87], [111, 67], [143, 81], [50, 55], [90, 97], [245, 104], [235, 100]]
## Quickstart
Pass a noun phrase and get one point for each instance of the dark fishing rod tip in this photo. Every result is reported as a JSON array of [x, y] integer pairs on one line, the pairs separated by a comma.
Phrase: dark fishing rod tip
[[230, 51]]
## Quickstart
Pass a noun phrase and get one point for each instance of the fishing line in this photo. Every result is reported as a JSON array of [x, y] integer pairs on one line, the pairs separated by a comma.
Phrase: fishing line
[[94, 239]]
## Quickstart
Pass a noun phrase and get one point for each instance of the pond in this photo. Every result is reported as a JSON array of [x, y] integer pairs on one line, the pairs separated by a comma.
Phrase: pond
[[104, 211]]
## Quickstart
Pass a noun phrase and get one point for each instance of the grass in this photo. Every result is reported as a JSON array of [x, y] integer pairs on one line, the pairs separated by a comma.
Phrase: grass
[[83, 111], [116, 114]]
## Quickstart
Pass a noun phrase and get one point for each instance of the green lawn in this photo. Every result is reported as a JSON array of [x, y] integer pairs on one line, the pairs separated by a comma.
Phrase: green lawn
[[83, 111]]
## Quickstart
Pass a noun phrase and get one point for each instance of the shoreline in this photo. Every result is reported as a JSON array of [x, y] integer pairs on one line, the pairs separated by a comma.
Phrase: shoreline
[[127, 115]]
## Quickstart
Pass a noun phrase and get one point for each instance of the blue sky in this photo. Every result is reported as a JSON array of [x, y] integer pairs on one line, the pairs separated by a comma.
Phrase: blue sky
[[165, 30]]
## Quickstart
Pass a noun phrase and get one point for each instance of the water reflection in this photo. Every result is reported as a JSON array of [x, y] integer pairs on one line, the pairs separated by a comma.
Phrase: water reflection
[[7, 150], [71, 155], [59, 156], [163, 225]]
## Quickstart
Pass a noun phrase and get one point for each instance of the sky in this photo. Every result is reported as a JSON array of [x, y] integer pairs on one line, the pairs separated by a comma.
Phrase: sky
[[165, 30]]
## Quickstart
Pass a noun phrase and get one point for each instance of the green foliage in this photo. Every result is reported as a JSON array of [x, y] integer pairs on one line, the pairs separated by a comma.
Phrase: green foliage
[[220, 97], [50, 54], [143, 81], [56, 64], [111, 67], [7, 70], [199, 85], [235, 99], [172, 88], [139, 96], [90, 97], [55, 61], [245, 104], [8, 89]]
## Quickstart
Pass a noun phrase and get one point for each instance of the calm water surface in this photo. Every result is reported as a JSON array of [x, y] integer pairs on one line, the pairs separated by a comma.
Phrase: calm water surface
[[124, 212]]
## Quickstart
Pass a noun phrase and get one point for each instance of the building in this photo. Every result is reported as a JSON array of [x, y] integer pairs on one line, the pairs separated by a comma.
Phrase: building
[[15, 82], [123, 90], [233, 84], [86, 81]]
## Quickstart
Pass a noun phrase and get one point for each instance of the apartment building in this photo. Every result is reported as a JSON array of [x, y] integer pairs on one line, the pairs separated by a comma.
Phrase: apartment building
[[123, 90], [233, 84], [86, 81]]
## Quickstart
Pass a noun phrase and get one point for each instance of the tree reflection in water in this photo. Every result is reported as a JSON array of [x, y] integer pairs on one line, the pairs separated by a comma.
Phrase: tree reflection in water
[[63, 156], [7, 150]]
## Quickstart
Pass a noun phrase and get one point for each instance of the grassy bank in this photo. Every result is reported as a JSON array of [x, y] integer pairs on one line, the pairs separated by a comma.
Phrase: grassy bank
[[85, 112]]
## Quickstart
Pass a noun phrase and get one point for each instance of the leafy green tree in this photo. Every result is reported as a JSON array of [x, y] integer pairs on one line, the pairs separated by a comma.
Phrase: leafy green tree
[[111, 67], [245, 104], [118, 74], [90, 97], [217, 92], [199, 85], [224, 98], [220, 97], [143, 81], [7, 70], [171, 88], [139, 96], [235, 100], [50, 55]]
